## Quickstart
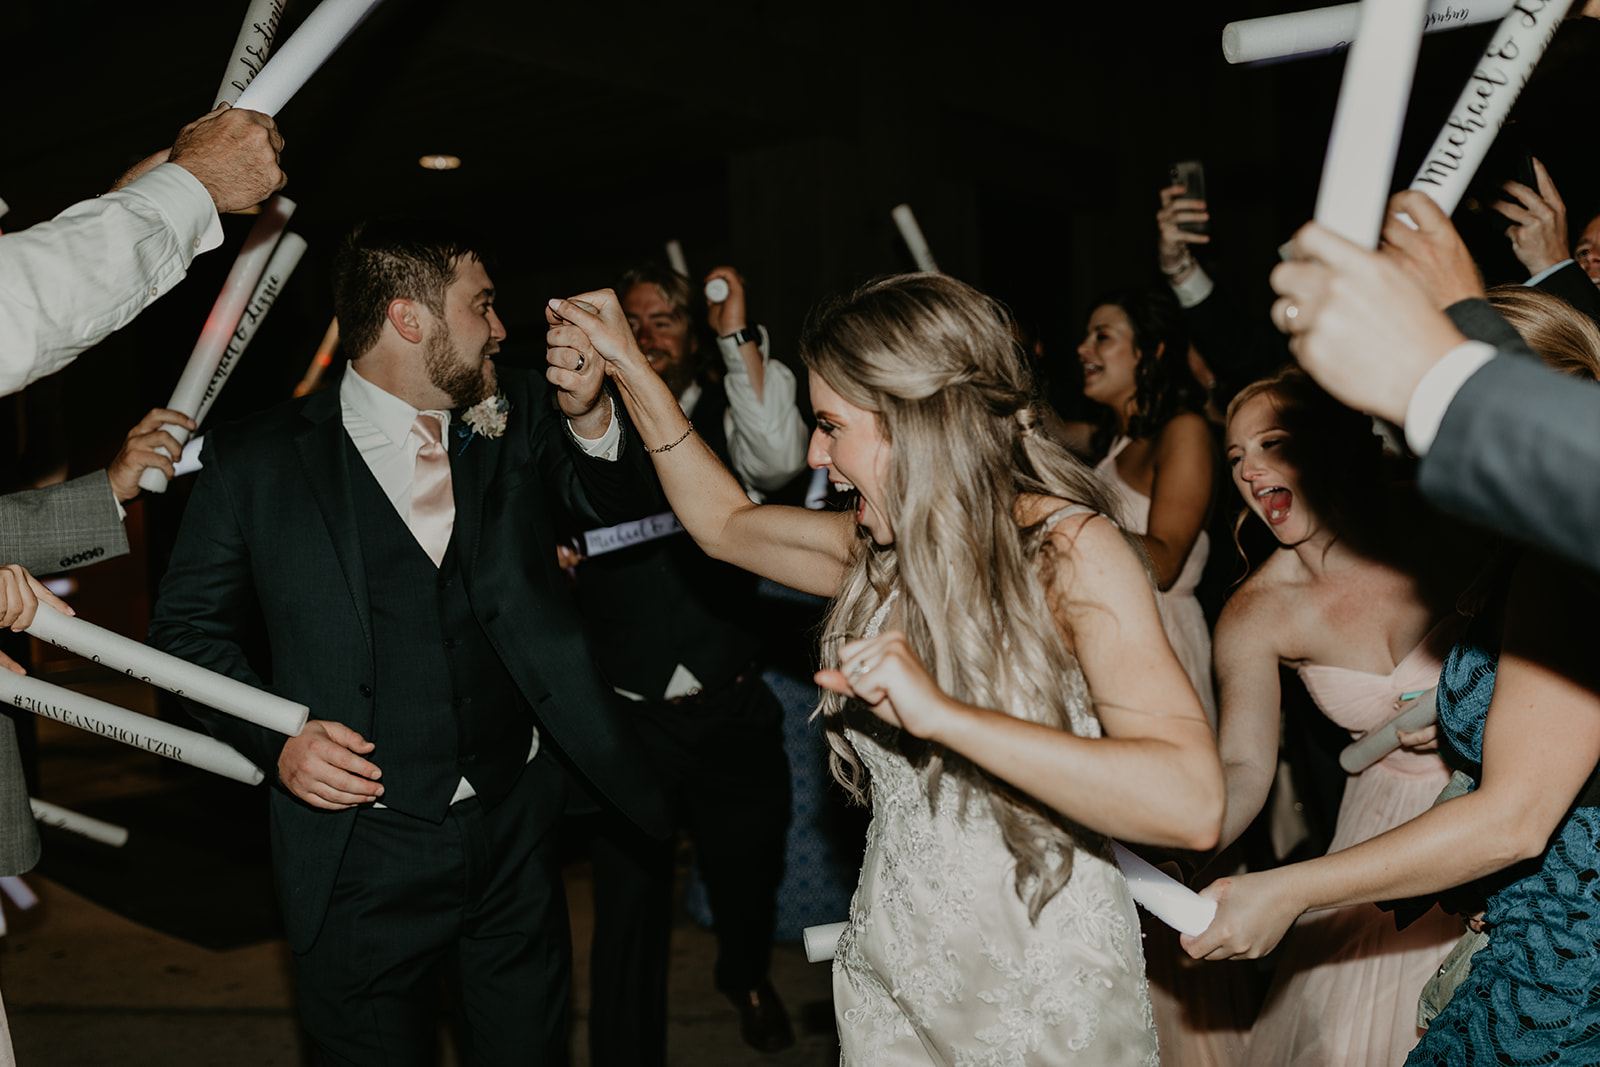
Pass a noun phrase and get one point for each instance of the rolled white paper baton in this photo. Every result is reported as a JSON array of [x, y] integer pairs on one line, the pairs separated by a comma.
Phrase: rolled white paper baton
[[168, 672], [911, 234], [251, 48], [128, 727], [282, 264], [220, 325], [303, 54], [1359, 755], [1367, 120], [717, 290], [94, 829], [1481, 109], [675, 258], [1323, 29], [822, 941], [1164, 896]]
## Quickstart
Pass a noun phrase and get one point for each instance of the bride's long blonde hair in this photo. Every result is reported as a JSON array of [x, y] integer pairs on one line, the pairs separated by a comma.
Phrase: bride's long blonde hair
[[936, 362]]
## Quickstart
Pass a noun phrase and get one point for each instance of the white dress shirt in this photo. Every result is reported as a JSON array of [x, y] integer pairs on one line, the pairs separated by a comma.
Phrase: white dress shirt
[[379, 425], [68, 283], [1433, 394]]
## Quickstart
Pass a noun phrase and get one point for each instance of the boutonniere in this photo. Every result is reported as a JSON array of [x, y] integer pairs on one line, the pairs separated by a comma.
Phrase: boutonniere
[[486, 418]]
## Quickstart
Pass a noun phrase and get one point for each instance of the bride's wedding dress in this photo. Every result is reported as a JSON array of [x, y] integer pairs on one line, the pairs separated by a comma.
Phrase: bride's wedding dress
[[940, 965]]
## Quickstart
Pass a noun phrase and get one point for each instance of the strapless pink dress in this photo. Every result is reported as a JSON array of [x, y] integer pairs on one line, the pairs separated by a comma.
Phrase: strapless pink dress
[[1345, 992]]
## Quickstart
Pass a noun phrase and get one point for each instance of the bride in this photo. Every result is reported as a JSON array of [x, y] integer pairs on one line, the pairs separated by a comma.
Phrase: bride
[[995, 669]]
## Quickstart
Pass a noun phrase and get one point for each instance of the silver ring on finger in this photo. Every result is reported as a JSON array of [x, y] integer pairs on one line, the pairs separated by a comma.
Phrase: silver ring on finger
[[581, 362], [1291, 312], [858, 669]]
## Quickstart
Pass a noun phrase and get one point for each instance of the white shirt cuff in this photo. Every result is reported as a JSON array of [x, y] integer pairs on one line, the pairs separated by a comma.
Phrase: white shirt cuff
[[1433, 394], [185, 202], [1194, 289], [608, 444], [1542, 275]]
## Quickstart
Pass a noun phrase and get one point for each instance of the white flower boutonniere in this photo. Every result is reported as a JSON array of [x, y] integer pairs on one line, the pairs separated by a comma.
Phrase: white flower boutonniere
[[488, 416]]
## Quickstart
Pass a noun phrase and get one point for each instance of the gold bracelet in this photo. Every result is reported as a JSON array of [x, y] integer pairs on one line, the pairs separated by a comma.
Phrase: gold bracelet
[[675, 444]]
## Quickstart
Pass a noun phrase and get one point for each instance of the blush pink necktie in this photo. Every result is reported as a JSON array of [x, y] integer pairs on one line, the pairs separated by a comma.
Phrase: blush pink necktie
[[433, 505]]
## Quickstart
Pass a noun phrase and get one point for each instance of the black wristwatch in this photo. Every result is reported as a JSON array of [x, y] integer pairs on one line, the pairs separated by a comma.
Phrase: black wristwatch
[[751, 332]]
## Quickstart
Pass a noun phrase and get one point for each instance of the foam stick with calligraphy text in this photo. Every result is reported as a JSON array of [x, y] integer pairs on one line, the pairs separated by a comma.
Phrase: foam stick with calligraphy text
[[911, 234], [168, 672], [128, 727], [251, 48], [220, 325], [282, 264], [1481, 109], [1368, 118], [303, 54], [94, 829], [1164, 896], [1297, 34]]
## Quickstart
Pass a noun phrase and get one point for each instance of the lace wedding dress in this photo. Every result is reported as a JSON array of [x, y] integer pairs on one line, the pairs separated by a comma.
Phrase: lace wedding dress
[[940, 965]]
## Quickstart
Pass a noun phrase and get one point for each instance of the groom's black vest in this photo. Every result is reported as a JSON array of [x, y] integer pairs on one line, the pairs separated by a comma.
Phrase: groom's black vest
[[444, 706]]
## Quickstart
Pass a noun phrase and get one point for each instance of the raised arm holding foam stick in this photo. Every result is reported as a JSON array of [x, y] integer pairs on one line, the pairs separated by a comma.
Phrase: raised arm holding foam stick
[[911, 374]]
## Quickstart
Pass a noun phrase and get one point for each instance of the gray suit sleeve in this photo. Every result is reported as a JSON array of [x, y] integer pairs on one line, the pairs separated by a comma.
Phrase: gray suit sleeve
[[62, 526], [1519, 452]]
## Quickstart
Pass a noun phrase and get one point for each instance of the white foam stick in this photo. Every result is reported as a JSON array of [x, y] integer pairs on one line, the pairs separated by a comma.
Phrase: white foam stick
[[1481, 109], [251, 48], [675, 258], [1368, 118], [165, 671], [1324, 29], [303, 54], [1164, 896], [18, 892], [822, 941], [717, 290], [94, 829], [282, 264], [220, 325], [911, 234], [128, 727], [1359, 755]]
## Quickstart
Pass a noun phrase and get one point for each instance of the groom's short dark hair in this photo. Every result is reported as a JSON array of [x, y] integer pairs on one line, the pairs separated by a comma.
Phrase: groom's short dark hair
[[393, 259]]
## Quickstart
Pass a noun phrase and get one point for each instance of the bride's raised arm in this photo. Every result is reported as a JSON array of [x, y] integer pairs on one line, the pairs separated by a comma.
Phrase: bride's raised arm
[[806, 550]]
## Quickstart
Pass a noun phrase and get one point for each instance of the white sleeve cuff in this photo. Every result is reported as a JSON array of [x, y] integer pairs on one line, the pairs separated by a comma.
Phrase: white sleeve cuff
[[1433, 394], [1542, 275], [1194, 289], [608, 444], [184, 201]]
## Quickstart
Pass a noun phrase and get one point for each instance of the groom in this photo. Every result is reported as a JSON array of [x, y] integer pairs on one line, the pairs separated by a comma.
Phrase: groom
[[403, 562]]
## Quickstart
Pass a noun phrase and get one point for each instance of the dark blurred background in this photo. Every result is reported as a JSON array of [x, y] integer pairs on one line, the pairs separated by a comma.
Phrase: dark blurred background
[[1030, 139]]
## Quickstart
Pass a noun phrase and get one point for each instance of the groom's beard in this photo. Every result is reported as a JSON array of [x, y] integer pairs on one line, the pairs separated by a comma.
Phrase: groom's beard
[[463, 383]]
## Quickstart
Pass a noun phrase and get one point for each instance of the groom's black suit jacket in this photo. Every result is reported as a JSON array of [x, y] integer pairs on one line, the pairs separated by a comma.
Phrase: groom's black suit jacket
[[271, 526]]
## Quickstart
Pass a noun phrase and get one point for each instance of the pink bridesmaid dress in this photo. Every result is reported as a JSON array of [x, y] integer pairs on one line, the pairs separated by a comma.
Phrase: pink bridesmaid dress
[[1345, 992]]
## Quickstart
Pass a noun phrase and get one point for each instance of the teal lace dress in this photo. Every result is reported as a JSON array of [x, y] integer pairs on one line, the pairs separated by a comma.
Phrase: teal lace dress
[[1533, 995]]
